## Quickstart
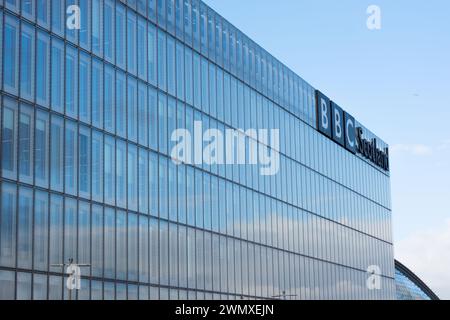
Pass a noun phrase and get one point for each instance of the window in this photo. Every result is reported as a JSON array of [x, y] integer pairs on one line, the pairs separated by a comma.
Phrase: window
[[97, 165], [7, 280], [163, 188], [85, 32], [121, 171], [203, 22], [132, 247], [173, 197], [71, 34], [180, 70], [212, 91], [27, 58], [8, 225], [57, 78], [110, 243], [163, 253], [199, 198], [71, 82], [110, 169], [171, 65], [43, 12], [207, 201], [120, 36], [97, 241], [97, 93], [42, 69], [162, 62], [191, 275], [84, 141], [173, 254], [9, 139], [11, 55], [109, 30], [97, 22], [131, 42], [154, 178], [196, 24], [170, 16], [171, 120], [190, 198], [143, 175], [154, 250], [84, 232], [182, 256], [197, 82], [121, 240], [110, 123], [132, 109], [85, 87], [153, 118], [25, 144], [187, 21], [151, 54], [57, 16], [189, 75], [199, 259], [181, 182], [40, 230], [179, 19], [142, 114], [162, 123], [56, 153], [121, 104], [70, 158], [162, 13], [70, 229], [56, 232], [142, 49], [132, 178], [151, 12], [143, 249]]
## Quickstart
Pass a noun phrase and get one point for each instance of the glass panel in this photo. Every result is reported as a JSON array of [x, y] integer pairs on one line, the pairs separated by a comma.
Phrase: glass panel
[[143, 177], [70, 230], [121, 238], [70, 158], [25, 228], [26, 144], [57, 75], [110, 243], [27, 58], [132, 178], [8, 226], [9, 139], [43, 69], [11, 54], [132, 247], [110, 170], [84, 153], [97, 241], [71, 82], [97, 165], [85, 88], [97, 93]]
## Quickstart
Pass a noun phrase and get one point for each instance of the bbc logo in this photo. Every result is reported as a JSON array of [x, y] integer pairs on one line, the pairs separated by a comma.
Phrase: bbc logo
[[335, 123]]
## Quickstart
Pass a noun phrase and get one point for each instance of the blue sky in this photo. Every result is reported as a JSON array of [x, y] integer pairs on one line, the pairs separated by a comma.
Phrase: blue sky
[[395, 81]]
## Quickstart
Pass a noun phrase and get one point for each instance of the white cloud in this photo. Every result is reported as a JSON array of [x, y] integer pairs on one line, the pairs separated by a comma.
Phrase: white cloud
[[414, 149], [427, 254]]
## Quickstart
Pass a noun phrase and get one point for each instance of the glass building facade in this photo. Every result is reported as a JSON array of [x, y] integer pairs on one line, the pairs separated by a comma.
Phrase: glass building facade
[[409, 286], [86, 121]]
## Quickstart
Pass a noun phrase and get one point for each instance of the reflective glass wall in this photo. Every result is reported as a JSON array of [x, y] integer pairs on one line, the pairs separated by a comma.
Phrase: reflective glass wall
[[86, 122]]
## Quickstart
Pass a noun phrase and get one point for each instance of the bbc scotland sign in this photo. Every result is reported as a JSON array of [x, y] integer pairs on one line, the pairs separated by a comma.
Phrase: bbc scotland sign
[[338, 125]]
